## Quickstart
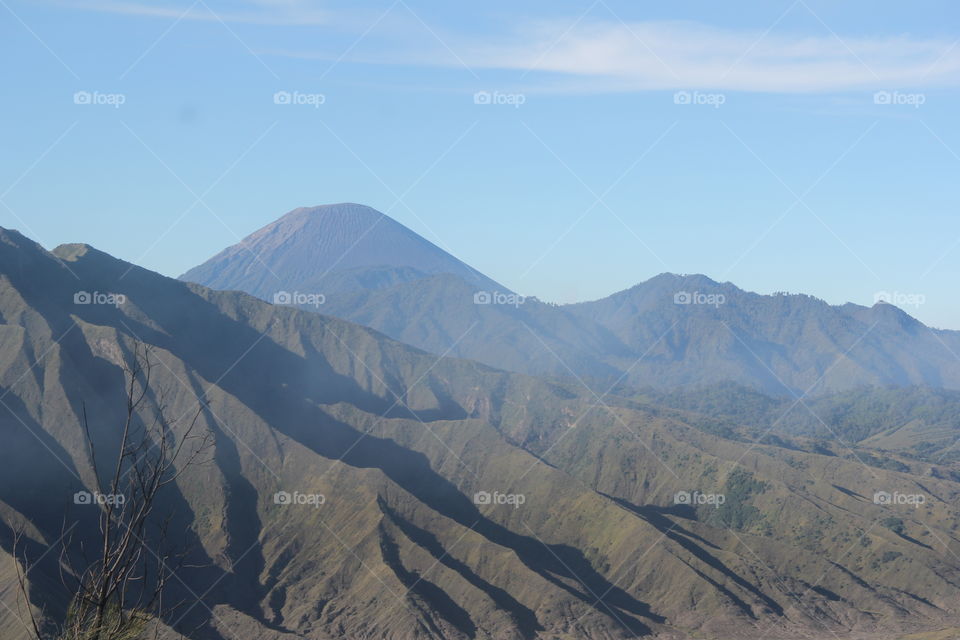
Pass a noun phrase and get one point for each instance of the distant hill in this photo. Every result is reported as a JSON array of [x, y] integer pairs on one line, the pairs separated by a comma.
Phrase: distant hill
[[460, 502], [669, 330], [919, 421], [781, 344]]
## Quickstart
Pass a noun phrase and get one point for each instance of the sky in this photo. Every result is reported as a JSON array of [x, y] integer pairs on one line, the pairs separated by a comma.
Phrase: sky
[[566, 149]]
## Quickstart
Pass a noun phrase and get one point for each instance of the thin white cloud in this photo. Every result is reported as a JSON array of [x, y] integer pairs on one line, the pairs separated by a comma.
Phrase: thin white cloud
[[671, 55], [614, 56], [605, 55], [263, 12]]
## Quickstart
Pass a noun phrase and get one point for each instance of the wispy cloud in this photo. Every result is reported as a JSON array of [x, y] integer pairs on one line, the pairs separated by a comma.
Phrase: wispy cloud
[[264, 12], [616, 56], [667, 55], [604, 55]]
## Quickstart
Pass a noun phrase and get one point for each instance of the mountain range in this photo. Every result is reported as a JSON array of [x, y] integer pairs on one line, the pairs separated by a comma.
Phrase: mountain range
[[460, 501], [668, 331]]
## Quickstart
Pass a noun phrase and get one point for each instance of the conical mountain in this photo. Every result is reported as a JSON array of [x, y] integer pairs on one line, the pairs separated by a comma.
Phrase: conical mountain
[[330, 248]]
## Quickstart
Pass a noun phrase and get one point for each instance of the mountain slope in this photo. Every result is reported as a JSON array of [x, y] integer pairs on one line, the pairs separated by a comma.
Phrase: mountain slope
[[778, 343], [438, 314], [304, 248], [919, 421], [400, 443]]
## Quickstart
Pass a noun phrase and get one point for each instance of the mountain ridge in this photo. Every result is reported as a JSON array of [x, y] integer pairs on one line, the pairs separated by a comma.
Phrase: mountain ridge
[[398, 441], [669, 330]]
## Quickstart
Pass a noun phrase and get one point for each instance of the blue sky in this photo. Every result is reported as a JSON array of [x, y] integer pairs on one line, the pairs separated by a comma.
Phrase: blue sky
[[612, 140]]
